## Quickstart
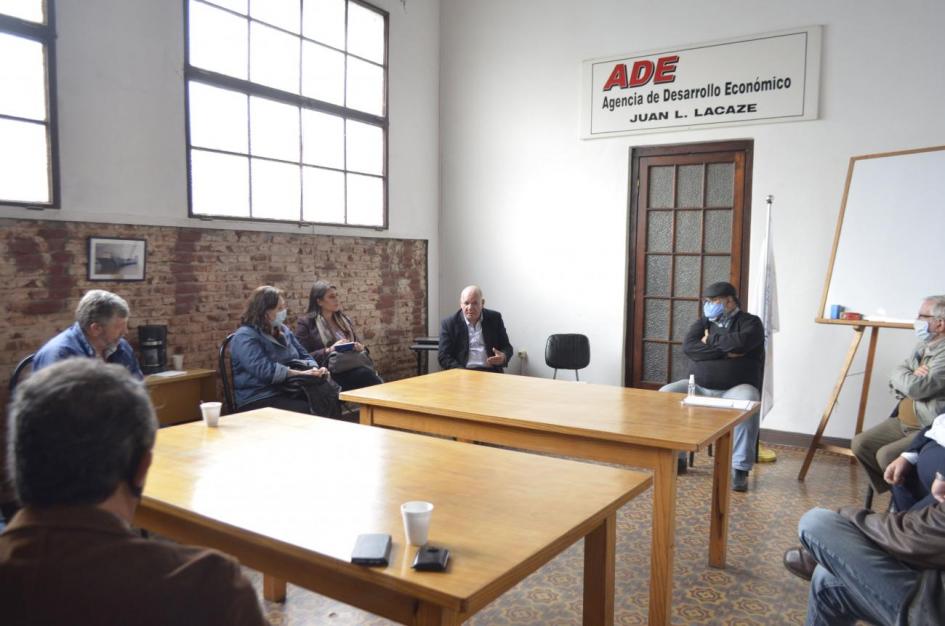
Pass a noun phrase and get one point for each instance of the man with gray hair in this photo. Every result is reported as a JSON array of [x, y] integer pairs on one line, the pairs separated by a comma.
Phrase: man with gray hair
[[82, 434], [101, 321]]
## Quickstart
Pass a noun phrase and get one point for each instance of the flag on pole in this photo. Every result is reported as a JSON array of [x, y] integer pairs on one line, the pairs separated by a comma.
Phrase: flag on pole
[[766, 307]]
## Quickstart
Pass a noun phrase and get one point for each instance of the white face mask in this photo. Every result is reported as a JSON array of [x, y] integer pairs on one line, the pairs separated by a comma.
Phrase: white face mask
[[280, 317], [922, 331]]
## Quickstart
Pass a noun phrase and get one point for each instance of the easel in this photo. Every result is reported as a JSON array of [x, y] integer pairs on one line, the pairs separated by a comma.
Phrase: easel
[[859, 328]]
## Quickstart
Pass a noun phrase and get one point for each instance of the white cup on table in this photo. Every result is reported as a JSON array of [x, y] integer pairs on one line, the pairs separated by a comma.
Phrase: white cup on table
[[416, 515], [211, 413], [178, 361]]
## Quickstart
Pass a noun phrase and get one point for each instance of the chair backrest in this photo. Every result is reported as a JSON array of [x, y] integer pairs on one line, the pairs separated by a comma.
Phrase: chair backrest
[[20, 369], [225, 366], [567, 351]]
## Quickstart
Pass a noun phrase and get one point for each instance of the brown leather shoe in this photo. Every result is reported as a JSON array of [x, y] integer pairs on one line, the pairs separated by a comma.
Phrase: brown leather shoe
[[800, 562]]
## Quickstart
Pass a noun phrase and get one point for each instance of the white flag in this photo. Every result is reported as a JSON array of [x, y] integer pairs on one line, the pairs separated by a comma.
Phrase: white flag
[[766, 307]]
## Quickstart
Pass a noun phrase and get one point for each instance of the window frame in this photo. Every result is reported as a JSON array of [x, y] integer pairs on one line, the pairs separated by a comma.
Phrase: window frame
[[45, 34], [249, 88]]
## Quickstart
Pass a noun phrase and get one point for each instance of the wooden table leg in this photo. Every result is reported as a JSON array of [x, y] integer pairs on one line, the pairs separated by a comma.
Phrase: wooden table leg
[[664, 537], [434, 615], [273, 588], [721, 480], [366, 416], [600, 546]]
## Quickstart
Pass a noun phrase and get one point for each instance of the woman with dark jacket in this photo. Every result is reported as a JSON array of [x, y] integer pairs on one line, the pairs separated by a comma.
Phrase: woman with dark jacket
[[271, 368], [325, 329]]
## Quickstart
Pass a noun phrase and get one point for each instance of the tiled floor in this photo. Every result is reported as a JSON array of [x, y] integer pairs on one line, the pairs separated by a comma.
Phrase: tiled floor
[[753, 589]]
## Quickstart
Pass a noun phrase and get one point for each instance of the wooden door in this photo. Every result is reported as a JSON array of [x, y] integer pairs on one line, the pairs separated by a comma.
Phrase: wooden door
[[689, 227]]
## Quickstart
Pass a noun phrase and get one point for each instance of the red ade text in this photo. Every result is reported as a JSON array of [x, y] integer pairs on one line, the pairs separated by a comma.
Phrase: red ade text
[[642, 72]]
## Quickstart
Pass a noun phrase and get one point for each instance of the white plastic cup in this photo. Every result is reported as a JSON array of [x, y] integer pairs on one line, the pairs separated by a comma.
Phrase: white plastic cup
[[416, 514], [211, 413], [178, 361]]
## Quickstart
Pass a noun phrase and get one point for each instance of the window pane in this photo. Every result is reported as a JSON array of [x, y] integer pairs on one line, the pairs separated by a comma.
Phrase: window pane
[[365, 200], [275, 190], [323, 195], [365, 148], [218, 118], [23, 76], [274, 129], [274, 58], [234, 5], [323, 73], [659, 231], [688, 231], [323, 139], [219, 184], [217, 40], [365, 87], [661, 186], [656, 318], [281, 13], [365, 33], [24, 162], [30, 10], [324, 21]]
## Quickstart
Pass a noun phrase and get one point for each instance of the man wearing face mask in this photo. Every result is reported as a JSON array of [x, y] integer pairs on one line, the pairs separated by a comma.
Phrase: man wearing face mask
[[919, 385], [726, 347], [101, 321]]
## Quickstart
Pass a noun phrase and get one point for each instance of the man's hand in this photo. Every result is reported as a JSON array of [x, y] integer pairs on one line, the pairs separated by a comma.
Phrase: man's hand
[[938, 489], [922, 370], [896, 471], [705, 336], [497, 359]]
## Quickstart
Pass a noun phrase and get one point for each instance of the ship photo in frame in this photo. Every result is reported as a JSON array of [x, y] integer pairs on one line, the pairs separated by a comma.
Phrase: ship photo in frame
[[117, 259]]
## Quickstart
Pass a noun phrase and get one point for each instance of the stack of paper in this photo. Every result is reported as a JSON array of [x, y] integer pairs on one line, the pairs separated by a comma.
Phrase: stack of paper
[[718, 403]]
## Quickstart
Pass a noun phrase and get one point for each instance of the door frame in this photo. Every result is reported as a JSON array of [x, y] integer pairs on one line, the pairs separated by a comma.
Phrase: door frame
[[636, 153]]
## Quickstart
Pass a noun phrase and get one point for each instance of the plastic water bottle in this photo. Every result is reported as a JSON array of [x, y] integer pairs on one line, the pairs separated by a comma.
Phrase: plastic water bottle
[[692, 386]]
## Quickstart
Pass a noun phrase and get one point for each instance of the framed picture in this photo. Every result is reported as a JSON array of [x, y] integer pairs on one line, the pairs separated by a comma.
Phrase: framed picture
[[117, 259]]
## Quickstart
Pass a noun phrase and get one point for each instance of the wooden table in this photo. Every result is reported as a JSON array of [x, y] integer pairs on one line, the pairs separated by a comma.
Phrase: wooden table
[[287, 494], [177, 398], [604, 423]]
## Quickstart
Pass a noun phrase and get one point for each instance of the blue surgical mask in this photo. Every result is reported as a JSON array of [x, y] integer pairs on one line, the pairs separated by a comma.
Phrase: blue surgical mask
[[280, 317], [922, 332], [713, 310]]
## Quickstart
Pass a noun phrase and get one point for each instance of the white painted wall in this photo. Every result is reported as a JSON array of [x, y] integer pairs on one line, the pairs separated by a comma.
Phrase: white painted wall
[[539, 217], [121, 121]]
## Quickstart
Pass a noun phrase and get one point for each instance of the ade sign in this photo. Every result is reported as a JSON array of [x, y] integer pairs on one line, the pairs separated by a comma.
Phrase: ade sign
[[773, 77]]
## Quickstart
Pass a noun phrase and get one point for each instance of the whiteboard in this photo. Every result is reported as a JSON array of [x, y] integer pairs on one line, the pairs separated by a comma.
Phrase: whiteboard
[[889, 246]]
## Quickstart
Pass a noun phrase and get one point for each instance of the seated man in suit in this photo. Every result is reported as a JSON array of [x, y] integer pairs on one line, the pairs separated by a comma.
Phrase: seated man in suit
[[101, 321], [727, 350], [882, 568], [918, 475], [474, 337], [82, 435], [919, 383]]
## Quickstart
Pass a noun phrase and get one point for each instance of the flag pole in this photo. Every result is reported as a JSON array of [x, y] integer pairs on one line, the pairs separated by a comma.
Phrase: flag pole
[[766, 454]]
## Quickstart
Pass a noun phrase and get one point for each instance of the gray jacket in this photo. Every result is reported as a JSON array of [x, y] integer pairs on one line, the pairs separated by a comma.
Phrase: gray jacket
[[927, 391]]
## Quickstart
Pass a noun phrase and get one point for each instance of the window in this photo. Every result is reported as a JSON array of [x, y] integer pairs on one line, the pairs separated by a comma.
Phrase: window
[[28, 167], [287, 110]]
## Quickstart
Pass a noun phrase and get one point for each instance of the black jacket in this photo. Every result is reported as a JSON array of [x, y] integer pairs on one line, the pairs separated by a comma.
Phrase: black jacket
[[454, 339], [713, 368]]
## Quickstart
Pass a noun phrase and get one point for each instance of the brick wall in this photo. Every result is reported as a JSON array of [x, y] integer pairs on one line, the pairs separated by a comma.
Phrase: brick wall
[[197, 282]]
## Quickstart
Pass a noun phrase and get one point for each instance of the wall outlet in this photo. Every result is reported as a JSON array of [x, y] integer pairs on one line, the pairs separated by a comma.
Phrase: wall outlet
[[523, 354]]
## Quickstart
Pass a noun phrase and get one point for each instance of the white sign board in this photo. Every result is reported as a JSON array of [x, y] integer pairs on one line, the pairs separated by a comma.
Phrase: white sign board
[[773, 77]]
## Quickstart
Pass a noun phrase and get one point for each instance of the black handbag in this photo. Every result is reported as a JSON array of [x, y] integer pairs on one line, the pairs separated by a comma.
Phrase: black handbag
[[339, 362], [320, 392]]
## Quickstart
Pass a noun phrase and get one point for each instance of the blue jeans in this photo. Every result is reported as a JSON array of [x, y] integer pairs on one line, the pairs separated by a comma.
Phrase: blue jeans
[[745, 434], [855, 579]]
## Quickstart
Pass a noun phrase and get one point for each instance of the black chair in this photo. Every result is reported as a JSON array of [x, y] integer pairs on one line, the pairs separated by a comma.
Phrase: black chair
[[567, 352], [225, 365], [21, 367]]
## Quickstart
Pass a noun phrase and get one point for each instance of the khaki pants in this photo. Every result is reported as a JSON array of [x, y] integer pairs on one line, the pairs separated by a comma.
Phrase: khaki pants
[[879, 446]]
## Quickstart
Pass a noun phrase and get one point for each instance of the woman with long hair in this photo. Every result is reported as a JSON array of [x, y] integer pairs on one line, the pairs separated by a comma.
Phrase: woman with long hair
[[271, 368], [326, 332]]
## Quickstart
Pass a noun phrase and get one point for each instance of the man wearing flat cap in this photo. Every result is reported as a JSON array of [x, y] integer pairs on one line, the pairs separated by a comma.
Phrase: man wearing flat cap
[[726, 347]]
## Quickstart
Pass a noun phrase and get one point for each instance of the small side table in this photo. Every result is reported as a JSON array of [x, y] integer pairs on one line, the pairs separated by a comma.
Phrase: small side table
[[424, 345], [177, 398]]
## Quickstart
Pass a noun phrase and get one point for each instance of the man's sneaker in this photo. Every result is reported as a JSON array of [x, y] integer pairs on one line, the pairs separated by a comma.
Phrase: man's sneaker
[[739, 480]]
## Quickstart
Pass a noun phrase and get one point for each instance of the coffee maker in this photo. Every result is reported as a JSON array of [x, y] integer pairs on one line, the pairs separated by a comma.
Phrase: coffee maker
[[152, 344]]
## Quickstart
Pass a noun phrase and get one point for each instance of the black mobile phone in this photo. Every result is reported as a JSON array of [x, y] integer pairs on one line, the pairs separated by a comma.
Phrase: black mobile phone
[[371, 549], [431, 559]]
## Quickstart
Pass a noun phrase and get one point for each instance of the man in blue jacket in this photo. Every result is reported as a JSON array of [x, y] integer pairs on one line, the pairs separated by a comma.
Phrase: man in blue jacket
[[474, 337], [101, 321]]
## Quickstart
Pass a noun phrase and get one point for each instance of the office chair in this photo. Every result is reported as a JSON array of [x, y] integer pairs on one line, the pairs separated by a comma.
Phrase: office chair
[[567, 352], [19, 370]]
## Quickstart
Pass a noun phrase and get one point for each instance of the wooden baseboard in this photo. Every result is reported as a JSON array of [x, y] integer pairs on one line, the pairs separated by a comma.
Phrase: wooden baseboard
[[799, 440]]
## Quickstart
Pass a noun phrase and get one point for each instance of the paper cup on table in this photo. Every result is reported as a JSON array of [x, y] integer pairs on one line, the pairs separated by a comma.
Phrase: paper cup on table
[[211, 413], [416, 516], [178, 361]]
